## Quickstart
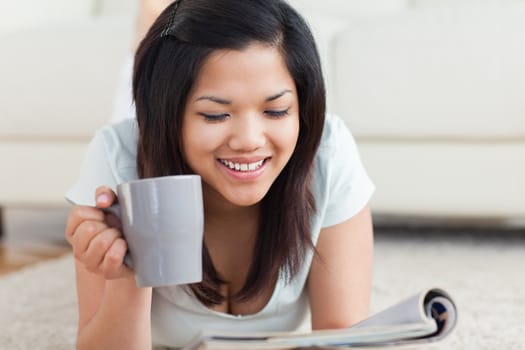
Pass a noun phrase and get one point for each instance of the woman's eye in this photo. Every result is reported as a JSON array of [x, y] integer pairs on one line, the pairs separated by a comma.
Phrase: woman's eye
[[214, 117], [276, 114]]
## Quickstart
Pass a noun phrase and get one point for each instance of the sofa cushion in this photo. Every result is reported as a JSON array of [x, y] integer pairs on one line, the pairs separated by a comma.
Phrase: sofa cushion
[[59, 81], [439, 73], [349, 8], [15, 15], [117, 7], [471, 4], [325, 29]]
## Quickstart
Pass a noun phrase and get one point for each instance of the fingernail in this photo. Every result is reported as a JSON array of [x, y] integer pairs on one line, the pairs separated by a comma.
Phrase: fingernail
[[103, 198]]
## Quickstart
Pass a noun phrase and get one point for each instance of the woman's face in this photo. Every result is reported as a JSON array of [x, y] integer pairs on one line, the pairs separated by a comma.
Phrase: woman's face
[[241, 123]]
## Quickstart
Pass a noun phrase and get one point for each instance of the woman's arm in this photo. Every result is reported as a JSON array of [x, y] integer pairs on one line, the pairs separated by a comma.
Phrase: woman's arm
[[340, 279], [113, 312]]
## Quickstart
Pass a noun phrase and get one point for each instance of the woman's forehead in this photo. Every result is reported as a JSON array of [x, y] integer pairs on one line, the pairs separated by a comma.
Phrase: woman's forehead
[[251, 67]]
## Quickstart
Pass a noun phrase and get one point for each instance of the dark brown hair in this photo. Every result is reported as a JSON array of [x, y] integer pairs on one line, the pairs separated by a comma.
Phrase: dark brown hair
[[167, 64]]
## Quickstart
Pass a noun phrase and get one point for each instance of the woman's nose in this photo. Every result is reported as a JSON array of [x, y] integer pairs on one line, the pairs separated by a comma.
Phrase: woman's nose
[[247, 133]]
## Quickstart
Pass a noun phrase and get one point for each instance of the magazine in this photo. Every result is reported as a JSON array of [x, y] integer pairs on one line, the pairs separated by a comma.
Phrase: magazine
[[425, 317]]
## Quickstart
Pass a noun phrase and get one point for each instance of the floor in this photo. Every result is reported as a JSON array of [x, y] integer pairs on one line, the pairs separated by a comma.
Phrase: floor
[[31, 235]]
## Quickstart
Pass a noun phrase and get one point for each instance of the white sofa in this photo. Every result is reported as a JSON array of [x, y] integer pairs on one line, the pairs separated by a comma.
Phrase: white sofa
[[434, 93]]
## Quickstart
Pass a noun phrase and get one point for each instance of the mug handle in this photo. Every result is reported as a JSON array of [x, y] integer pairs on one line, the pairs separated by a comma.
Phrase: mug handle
[[115, 210]]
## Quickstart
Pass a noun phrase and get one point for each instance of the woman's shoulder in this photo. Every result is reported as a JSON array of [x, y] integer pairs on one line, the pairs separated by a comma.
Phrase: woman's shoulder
[[341, 184], [109, 160], [335, 134], [123, 134], [120, 141]]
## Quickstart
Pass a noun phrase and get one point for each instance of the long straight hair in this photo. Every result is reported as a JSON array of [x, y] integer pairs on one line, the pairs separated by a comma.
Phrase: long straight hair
[[167, 64]]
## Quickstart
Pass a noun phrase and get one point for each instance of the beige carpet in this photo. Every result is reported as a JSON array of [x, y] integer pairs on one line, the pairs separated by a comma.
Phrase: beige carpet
[[38, 307], [484, 273]]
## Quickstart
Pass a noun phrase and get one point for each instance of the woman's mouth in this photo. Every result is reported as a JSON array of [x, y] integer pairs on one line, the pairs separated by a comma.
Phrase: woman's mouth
[[243, 166]]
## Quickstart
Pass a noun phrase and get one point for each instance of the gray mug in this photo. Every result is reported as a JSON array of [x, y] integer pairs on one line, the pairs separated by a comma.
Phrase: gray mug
[[163, 224]]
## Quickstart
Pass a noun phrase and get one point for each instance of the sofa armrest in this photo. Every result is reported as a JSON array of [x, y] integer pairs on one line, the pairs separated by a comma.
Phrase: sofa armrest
[[59, 80]]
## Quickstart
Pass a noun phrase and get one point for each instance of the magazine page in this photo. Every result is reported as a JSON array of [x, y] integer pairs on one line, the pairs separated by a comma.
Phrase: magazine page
[[433, 308], [424, 317]]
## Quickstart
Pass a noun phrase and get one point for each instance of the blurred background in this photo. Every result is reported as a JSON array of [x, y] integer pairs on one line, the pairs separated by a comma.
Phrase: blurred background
[[433, 91]]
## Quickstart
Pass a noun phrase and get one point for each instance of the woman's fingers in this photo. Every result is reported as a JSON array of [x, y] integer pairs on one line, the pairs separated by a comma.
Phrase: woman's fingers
[[95, 236], [97, 248], [112, 265], [105, 197], [78, 215], [101, 250], [83, 236]]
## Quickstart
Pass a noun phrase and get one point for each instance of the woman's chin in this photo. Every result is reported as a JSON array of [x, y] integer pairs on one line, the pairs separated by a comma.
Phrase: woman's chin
[[245, 202], [244, 199]]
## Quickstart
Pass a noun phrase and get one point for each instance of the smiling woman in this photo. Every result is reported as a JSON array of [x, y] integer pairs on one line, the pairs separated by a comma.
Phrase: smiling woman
[[232, 91]]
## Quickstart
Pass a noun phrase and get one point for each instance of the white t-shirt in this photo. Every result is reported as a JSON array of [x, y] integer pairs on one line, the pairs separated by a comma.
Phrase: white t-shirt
[[341, 188]]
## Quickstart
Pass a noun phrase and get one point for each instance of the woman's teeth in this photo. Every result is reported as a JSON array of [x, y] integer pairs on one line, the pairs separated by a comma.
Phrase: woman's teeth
[[242, 166]]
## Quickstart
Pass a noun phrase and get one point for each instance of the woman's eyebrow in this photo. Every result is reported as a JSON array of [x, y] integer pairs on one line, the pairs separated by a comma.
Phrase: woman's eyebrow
[[214, 99], [223, 101], [276, 96]]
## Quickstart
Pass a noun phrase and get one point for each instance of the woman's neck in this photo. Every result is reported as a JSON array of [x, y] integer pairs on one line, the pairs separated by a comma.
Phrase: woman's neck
[[221, 214]]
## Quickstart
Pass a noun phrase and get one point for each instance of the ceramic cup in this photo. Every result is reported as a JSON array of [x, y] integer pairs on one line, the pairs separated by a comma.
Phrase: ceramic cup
[[162, 223]]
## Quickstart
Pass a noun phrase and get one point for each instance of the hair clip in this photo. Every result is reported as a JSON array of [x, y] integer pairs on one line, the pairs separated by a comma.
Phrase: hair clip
[[166, 30]]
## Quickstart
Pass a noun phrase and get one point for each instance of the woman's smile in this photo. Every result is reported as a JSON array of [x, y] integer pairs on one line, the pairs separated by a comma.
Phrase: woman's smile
[[244, 169]]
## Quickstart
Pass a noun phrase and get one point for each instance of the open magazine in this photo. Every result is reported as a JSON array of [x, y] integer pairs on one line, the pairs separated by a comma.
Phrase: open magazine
[[425, 317]]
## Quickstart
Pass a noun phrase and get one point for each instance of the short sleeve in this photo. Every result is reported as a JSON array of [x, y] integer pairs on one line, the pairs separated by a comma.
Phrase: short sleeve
[[345, 182], [95, 171]]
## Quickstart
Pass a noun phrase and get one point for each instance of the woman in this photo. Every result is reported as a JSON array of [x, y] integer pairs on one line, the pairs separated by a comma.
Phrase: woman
[[231, 90]]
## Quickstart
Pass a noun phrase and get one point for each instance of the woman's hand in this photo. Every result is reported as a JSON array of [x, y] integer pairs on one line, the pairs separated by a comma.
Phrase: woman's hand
[[113, 313], [96, 238]]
